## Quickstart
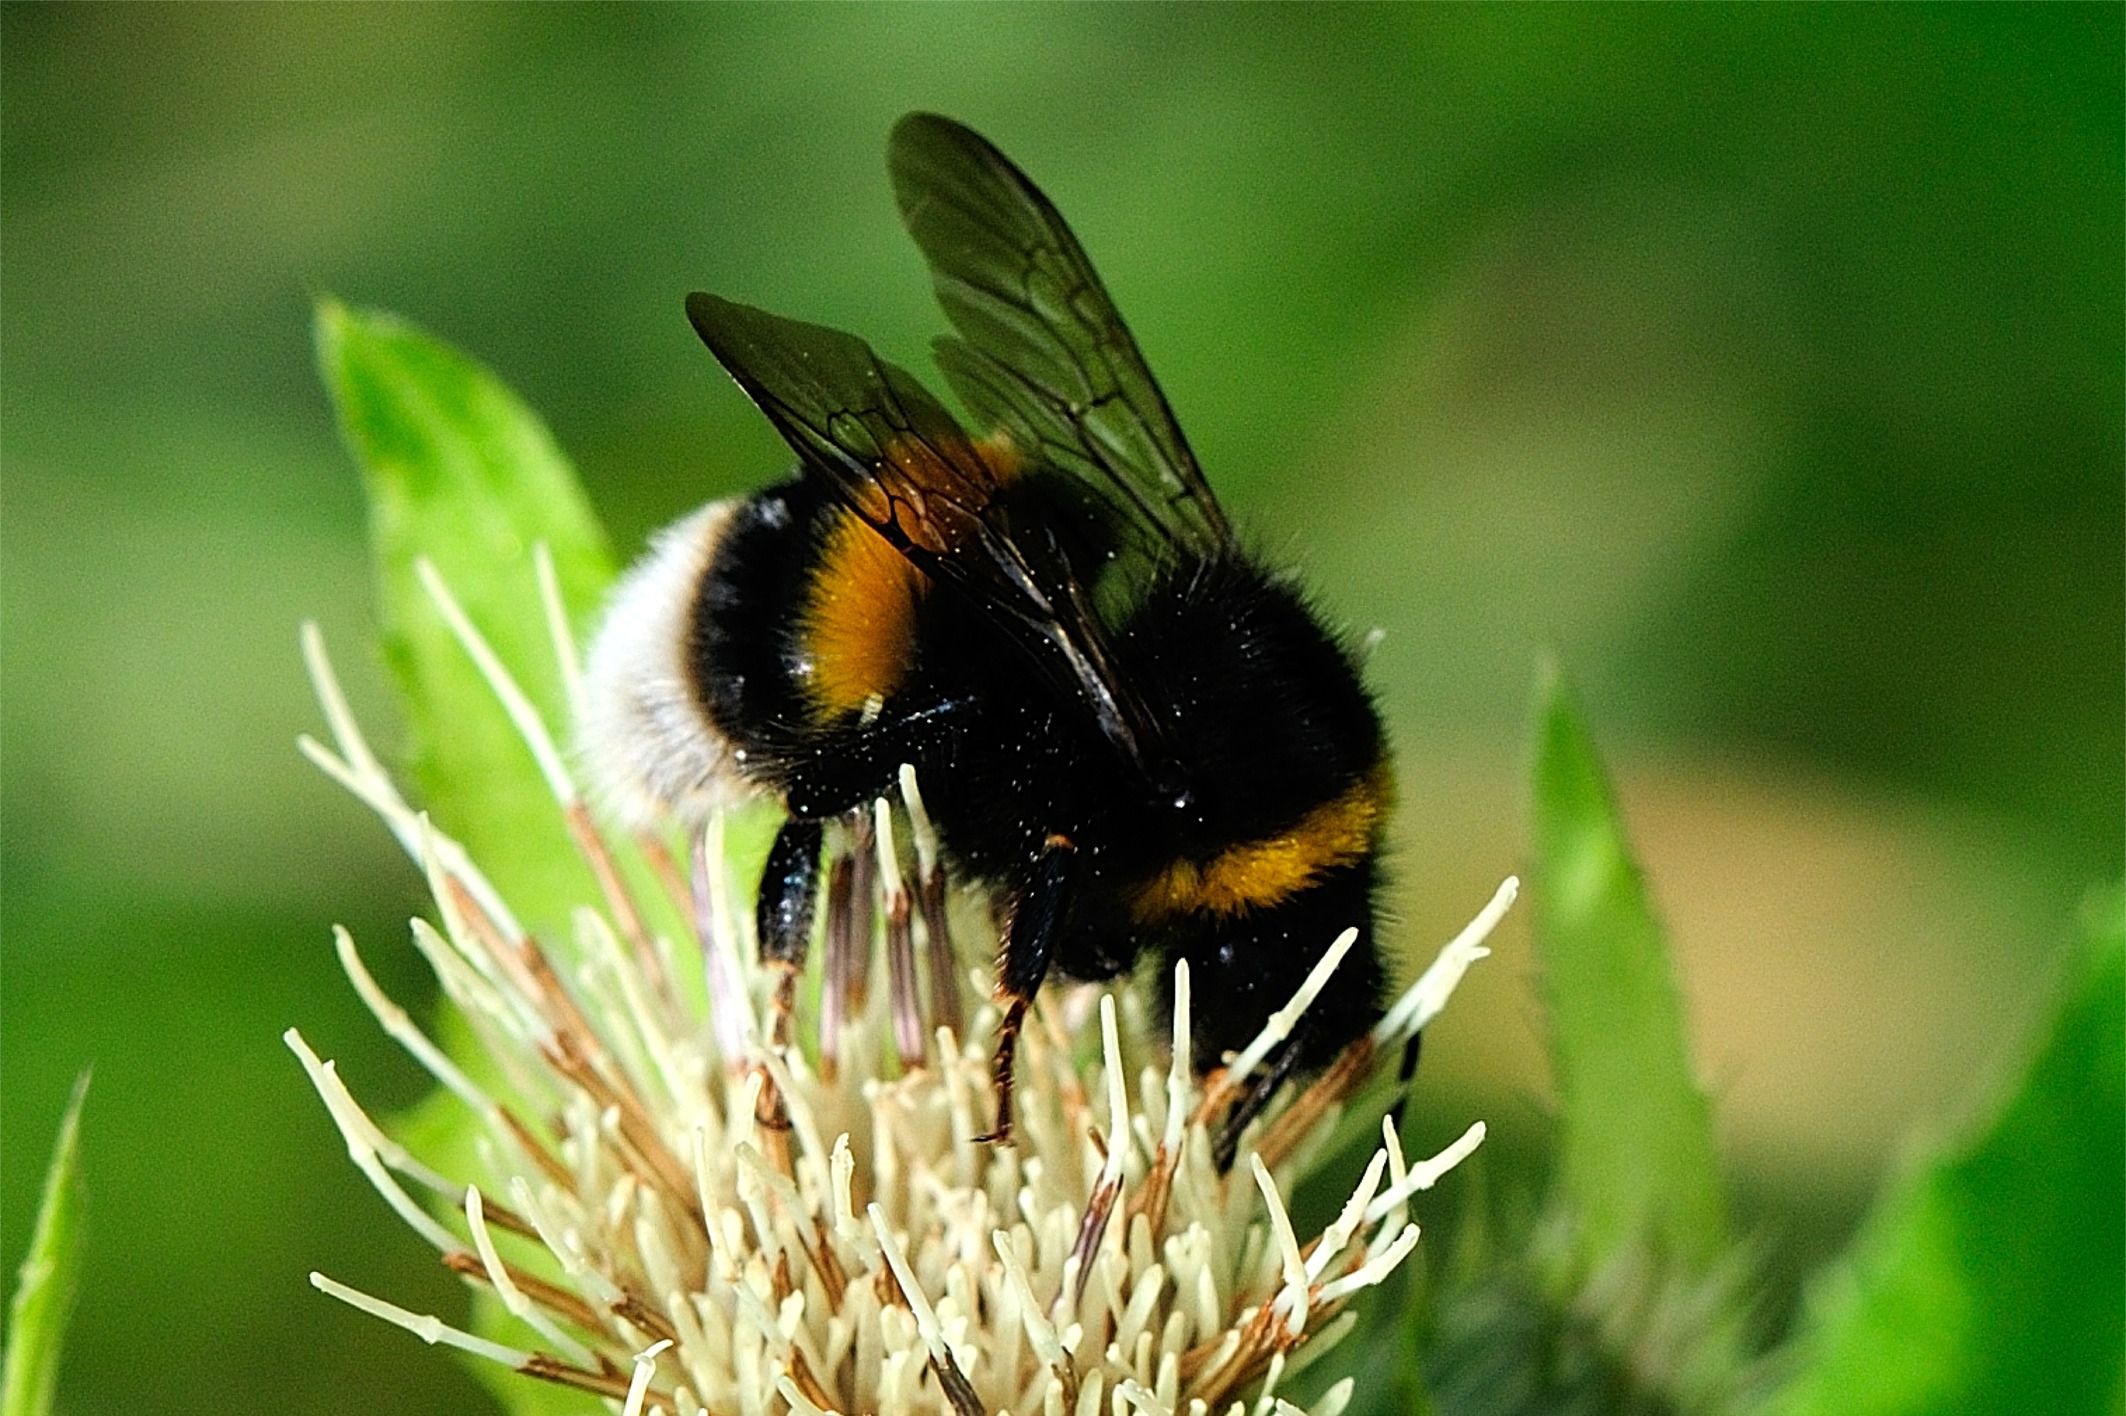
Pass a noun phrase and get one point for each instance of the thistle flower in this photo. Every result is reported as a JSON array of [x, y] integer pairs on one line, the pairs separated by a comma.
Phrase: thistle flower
[[693, 1204]]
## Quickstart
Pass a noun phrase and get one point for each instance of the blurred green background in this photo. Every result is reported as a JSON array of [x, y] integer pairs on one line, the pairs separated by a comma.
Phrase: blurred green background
[[1763, 362]]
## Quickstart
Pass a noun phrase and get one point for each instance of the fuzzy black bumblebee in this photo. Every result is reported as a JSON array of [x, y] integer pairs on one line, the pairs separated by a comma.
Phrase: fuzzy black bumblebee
[[1132, 734]]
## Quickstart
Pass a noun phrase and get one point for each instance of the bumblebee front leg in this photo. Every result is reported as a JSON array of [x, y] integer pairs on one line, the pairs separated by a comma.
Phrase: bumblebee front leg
[[1029, 939], [789, 893], [1252, 1101]]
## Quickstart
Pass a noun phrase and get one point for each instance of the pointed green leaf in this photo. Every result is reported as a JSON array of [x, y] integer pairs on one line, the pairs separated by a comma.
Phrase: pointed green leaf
[[1993, 1278], [44, 1294], [461, 473], [1636, 1164]]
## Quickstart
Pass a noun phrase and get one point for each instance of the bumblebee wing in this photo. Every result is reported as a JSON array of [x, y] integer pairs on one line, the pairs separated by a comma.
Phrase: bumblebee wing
[[1042, 350], [903, 464], [898, 459]]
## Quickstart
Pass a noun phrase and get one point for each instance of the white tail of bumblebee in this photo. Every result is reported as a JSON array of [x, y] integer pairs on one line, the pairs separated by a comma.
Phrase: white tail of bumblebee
[[645, 741]]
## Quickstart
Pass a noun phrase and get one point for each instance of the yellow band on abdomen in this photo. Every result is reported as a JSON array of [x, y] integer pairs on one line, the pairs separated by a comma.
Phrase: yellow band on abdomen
[[858, 628]]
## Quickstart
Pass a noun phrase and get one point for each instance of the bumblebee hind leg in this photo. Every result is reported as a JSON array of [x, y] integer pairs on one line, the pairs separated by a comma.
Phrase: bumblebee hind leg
[[789, 895], [1029, 940]]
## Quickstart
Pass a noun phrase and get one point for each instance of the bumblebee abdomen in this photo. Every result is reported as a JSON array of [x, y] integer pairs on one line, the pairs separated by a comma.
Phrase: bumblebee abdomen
[[729, 654], [647, 740], [853, 641], [804, 617]]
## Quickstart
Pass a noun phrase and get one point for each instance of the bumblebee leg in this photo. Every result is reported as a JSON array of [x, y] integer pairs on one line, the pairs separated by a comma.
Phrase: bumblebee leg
[[1029, 939], [789, 890], [1404, 1073], [1251, 1103]]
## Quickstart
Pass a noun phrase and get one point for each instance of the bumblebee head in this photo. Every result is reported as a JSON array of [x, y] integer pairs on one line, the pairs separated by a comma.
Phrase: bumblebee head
[[1253, 961]]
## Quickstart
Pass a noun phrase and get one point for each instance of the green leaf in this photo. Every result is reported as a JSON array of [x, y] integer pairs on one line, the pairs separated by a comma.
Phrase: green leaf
[[461, 473], [1636, 1166], [1993, 1277], [44, 1296]]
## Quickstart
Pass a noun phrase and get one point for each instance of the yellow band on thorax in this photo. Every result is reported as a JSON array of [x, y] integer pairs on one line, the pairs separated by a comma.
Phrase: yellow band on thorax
[[1258, 874]]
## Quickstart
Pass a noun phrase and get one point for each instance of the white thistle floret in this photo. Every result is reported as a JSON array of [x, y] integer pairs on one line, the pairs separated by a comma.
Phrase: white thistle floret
[[682, 1238]]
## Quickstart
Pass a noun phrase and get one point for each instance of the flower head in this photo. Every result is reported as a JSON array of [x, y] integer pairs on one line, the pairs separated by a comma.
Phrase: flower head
[[693, 1203]]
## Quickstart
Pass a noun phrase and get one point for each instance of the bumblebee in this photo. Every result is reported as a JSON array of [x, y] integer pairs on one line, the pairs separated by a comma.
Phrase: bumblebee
[[1128, 731]]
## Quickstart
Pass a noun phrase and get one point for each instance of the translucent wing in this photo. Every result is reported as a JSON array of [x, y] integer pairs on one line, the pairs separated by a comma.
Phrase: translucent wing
[[901, 462], [1042, 351]]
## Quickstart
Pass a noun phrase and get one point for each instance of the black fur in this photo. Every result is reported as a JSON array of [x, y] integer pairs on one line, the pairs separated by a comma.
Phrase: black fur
[[1102, 686], [1262, 709]]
